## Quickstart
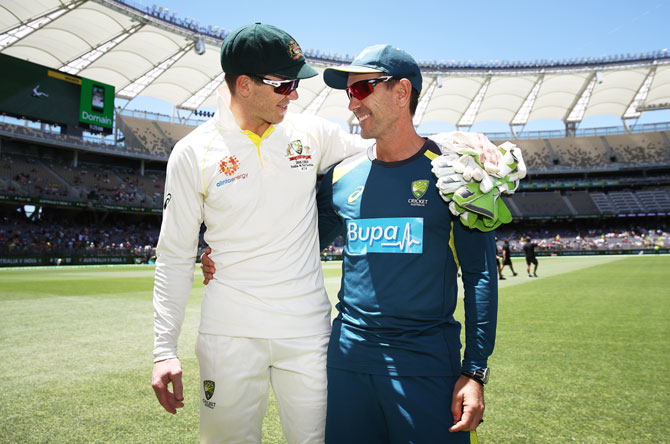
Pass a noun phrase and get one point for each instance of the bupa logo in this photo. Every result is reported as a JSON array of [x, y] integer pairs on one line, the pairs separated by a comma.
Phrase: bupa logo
[[385, 235]]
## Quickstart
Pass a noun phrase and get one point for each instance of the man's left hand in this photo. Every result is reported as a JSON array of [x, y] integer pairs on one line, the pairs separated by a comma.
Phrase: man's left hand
[[207, 266], [467, 405]]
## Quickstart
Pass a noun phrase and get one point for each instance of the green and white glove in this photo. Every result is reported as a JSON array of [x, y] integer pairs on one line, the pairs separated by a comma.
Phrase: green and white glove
[[472, 173]]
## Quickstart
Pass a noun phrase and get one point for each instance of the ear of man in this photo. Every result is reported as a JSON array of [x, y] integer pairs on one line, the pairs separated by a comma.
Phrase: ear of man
[[403, 90], [243, 85]]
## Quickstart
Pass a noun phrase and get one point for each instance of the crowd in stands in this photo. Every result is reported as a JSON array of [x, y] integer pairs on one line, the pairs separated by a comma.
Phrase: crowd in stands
[[29, 176], [620, 236], [53, 235], [60, 234]]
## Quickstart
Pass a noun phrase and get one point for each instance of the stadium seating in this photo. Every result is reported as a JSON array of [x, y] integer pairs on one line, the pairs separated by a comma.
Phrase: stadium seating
[[655, 200], [644, 148], [541, 204], [581, 152]]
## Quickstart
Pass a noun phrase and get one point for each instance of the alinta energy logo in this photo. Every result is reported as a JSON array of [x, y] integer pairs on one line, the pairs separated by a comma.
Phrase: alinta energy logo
[[419, 188], [229, 165], [209, 392]]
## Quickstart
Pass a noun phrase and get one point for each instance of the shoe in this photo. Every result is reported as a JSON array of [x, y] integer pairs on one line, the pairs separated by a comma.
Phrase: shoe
[[529, 275], [502, 278], [535, 274], [514, 274]]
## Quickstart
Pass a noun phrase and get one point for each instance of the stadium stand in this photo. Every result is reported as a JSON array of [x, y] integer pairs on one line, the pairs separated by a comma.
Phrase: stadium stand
[[144, 135], [597, 175], [541, 204], [655, 200], [646, 148], [582, 203], [581, 152]]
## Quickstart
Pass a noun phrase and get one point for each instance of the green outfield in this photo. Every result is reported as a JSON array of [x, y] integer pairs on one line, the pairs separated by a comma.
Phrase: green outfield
[[582, 356]]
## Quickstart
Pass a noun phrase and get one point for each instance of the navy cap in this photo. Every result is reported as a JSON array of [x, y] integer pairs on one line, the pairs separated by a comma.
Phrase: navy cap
[[264, 49], [378, 58]]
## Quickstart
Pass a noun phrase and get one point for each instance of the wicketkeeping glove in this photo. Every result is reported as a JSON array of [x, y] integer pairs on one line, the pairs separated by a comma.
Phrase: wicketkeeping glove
[[472, 173]]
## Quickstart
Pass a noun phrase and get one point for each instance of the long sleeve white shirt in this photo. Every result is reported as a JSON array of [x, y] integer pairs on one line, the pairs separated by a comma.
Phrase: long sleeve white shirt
[[256, 197]]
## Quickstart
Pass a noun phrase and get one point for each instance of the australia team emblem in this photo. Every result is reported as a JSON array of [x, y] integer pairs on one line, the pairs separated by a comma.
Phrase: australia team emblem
[[299, 155], [209, 392], [209, 388], [419, 188]]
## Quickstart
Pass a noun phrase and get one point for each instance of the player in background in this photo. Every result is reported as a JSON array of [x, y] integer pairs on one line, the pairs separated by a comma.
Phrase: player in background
[[394, 370], [529, 252], [507, 258]]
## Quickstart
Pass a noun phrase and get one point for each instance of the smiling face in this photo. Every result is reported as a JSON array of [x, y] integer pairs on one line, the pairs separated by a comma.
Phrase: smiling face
[[376, 113], [265, 106]]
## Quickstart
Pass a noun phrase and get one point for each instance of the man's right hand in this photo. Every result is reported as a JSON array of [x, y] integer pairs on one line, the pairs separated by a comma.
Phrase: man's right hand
[[165, 372], [207, 266]]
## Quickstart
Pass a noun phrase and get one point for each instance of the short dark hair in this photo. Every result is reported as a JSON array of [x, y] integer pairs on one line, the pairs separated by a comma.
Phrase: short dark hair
[[413, 98], [231, 80]]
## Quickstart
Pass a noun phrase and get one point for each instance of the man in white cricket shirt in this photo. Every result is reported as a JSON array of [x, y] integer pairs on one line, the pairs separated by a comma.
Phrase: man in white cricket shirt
[[249, 174]]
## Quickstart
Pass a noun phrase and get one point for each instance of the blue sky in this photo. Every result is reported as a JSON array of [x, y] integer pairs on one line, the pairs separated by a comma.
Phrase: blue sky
[[448, 30]]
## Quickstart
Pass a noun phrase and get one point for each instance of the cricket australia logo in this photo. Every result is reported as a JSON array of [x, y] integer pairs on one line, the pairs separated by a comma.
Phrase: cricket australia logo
[[229, 165], [294, 50], [419, 188], [209, 392], [299, 155]]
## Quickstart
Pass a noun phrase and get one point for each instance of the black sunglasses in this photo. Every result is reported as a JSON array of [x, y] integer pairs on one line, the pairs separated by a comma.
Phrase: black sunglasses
[[364, 88], [283, 87]]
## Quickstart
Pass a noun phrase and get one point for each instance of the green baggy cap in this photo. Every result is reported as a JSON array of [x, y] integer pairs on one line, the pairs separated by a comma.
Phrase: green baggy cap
[[264, 49]]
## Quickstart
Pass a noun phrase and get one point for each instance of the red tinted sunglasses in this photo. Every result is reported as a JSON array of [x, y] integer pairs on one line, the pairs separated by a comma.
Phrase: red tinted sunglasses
[[364, 88], [283, 87]]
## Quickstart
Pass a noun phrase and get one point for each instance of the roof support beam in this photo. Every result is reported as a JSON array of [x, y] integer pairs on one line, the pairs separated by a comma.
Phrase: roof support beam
[[76, 65], [196, 99], [133, 89], [632, 110], [25, 29], [316, 104], [521, 116], [575, 113], [425, 100], [470, 115]]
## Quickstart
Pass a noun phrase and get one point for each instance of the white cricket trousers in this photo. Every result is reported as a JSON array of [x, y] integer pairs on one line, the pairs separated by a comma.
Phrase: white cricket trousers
[[235, 376]]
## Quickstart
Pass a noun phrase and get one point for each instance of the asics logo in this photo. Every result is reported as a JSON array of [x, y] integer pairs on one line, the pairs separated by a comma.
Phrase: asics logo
[[356, 194], [168, 198]]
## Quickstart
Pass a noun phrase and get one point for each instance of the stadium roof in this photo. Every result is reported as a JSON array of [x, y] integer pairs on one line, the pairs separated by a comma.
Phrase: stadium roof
[[148, 52]]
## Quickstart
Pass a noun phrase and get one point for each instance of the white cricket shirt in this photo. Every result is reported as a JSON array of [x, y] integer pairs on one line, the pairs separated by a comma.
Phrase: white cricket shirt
[[256, 197]]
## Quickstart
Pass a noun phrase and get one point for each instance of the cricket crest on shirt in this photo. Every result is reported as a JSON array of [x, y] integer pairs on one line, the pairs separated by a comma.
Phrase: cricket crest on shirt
[[299, 155], [419, 188], [209, 392]]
